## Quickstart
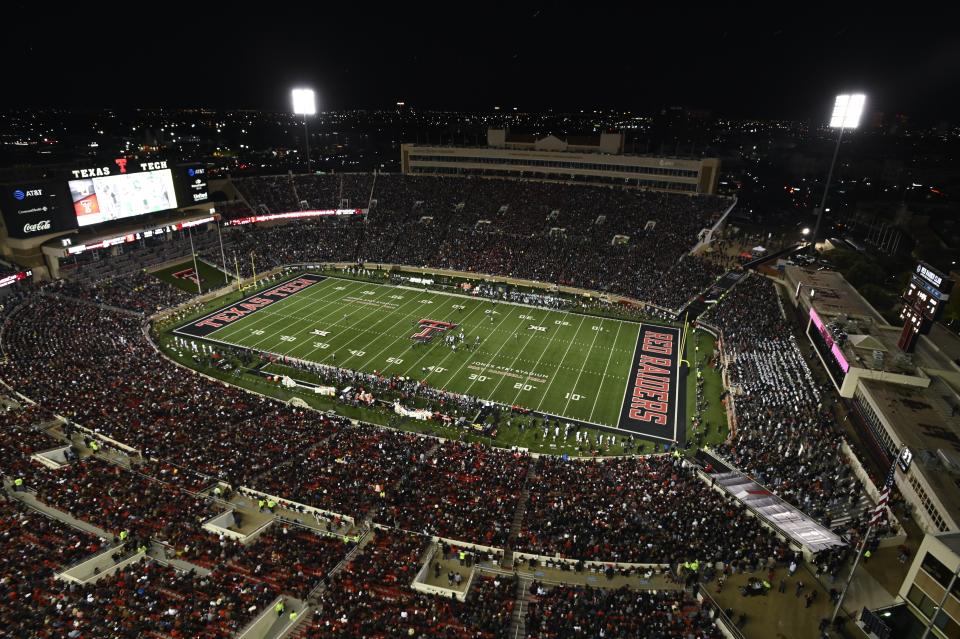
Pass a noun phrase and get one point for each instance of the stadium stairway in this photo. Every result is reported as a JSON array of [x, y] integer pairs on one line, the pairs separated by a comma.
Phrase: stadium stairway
[[29, 498], [842, 513], [507, 561], [518, 624]]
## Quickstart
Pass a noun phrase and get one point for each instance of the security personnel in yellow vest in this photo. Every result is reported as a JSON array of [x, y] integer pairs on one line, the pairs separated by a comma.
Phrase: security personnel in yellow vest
[[463, 557], [124, 534], [94, 446], [261, 503], [279, 608], [18, 483], [293, 615], [271, 504]]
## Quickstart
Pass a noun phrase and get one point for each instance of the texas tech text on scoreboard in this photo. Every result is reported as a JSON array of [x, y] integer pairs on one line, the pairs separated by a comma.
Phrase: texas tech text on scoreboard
[[92, 195]]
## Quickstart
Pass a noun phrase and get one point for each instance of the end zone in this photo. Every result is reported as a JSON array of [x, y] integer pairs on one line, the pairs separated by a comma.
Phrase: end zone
[[652, 398], [204, 326]]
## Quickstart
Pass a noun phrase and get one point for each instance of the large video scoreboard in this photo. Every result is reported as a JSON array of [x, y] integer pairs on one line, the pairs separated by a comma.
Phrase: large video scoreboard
[[926, 296], [99, 194]]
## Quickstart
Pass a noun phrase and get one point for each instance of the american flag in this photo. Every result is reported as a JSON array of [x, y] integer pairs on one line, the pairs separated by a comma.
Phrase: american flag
[[884, 496]]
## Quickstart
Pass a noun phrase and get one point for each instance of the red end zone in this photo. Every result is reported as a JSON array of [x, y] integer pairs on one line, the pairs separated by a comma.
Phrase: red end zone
[[228, 314]]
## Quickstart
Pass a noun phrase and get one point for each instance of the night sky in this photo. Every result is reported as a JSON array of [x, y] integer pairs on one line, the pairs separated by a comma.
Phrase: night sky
[[734, 61]]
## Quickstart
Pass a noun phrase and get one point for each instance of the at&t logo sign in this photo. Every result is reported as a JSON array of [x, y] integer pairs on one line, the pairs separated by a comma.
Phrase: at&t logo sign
[[22, 195]]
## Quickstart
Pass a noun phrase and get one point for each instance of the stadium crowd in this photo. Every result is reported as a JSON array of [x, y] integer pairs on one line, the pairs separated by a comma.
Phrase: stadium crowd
[[628, 242], [633, 243], [95, 366], [143, 598], [370, 598], [562, 612], [143, 400], [467, 492], [125, 503], [639, 510], [289, 559], [786, 436], [349, 472]]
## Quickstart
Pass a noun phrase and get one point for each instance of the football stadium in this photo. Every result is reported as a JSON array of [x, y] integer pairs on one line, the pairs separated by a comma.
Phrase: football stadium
[[392, 412], [539, 386]]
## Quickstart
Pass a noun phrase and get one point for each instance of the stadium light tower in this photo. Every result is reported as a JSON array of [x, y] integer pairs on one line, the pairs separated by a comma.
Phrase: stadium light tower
[[305, 103], [847, 110]]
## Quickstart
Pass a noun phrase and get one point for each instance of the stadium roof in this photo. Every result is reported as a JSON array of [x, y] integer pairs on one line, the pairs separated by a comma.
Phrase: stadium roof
[[927, 421]]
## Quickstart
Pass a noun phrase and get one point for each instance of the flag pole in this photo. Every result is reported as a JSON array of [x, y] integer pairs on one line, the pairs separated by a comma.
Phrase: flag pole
[[853, 570], [874, 519]]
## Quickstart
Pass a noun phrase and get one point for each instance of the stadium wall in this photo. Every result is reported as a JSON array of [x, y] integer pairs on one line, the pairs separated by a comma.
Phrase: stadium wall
[[661, 173], [93, 569]]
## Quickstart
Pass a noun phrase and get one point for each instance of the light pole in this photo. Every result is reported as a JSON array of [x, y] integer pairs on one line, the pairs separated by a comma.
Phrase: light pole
[[196, 271], [847, 110], [223, 256], [305, 103]]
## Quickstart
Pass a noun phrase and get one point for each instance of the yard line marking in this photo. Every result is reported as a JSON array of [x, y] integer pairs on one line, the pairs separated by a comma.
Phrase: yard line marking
[[529, 339], [304, 302], [368, 330], [430, 350], [403, 319], [487, 365], [605, 369], [374, 309], [311, 319], [573, 390], [477, 351], [533, 369], [583, 318], [626, 384]]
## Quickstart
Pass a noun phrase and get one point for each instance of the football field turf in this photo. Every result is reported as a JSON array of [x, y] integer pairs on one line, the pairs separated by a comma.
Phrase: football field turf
[[183, 276], [578, 367]]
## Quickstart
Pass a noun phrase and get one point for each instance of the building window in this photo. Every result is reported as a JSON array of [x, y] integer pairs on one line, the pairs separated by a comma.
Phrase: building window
[[936, 569], [947, 625], [924, 604]]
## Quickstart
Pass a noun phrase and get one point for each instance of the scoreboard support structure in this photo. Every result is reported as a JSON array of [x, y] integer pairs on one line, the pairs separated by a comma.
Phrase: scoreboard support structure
[[923, 303]]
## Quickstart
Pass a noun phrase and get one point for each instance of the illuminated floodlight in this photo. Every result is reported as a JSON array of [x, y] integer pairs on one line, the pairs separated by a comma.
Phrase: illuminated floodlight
[[847, 110], [805, 231], [304, 102]]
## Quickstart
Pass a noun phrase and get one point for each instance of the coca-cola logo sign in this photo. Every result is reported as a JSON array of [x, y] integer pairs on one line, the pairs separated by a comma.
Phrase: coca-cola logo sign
[[42, 225]]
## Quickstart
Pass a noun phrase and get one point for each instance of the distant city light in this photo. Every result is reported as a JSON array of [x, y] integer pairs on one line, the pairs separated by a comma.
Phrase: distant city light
[[847, 110], [304, 102]]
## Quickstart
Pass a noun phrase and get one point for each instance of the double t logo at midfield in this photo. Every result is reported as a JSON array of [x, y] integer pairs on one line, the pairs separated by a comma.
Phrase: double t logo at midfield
[[428, 327]]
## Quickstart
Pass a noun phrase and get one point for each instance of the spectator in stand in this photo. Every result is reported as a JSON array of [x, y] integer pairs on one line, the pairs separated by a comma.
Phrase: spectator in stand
[[584, 611], [638, 510], [786, 437]]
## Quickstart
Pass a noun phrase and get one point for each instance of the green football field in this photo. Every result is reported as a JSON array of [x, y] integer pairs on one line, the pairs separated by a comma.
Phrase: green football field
[[181, 275], [550, 361]]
